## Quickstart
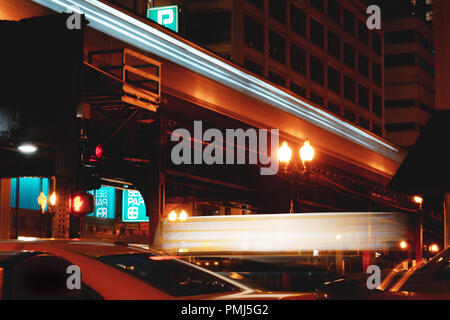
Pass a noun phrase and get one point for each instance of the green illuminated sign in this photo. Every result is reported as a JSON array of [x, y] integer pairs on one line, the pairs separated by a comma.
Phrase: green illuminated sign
[[133, 207], [105, 203], [165, 16]]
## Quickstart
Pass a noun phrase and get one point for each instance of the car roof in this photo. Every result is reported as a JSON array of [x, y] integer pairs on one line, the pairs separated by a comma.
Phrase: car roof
[[90, 248]]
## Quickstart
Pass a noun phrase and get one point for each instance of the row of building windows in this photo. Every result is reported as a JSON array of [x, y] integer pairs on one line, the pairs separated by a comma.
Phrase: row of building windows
[[408, 59], [405, 103], [335, 81], [345, 113], [277, 51], [298, 20], [408, 36], [403, 126]]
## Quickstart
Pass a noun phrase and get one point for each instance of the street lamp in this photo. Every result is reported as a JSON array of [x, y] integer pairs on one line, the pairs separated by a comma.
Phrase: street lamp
[[27, 148], [306, 153], [285, 153]]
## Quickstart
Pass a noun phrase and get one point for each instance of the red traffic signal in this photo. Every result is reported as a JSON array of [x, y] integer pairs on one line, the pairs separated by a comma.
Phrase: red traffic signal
[[98, 153], [81, 204]]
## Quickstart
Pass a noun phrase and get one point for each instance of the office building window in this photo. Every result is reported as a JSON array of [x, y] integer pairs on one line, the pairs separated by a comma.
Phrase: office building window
[[377, 105], [376, 73], [364, 123], [363, 65], [397, 60], [402, 126], [257, 3], [392, 104], [315, 98], [349, 88], [298, 89], [277, 10], [253, 33], [298, 21], [219, 27], [376, 43], [349, 22], [298, 59], [334, 80], [363, 97], [277, 47], [316, 33], [277, 79], [425, 65], [316, 70], [350, 115], [334, 45], [254, 67], [425, 43], [334, 108], [349, 55], [363, 33], [334, 11], [376, 128], [318, 4], [396, 37]]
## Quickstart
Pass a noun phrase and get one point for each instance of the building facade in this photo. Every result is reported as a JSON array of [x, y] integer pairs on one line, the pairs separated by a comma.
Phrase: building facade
[[409, 79], [320, 50]]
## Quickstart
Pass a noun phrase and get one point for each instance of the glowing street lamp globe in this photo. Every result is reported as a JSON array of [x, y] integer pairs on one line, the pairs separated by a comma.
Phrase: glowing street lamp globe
[[285, 153], [307, 152], [172, 216]]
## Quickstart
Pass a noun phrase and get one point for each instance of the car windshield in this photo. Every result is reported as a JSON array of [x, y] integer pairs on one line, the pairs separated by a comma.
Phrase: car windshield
[[268, 273], [170, 275]]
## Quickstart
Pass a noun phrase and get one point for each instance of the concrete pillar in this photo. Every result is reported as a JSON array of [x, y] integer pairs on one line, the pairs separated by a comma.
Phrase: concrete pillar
[[5, 208], [153, 189]]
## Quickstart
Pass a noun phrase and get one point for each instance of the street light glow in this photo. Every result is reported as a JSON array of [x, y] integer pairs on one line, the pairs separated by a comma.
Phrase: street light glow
[[403, 245], [434, 248], [27, 148], [183, 216], [285, 153], [307, 152], [172, 216], [53, 199], [418, 199]]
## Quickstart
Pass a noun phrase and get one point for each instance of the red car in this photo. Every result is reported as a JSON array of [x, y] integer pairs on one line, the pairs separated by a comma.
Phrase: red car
[[43, 269]]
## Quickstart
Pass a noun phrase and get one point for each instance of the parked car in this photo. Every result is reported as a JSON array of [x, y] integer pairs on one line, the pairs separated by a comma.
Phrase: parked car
[[427, 281], [41, 269]]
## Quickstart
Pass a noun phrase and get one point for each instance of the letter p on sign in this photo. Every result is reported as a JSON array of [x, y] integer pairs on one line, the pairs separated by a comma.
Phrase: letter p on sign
[[165, 16]]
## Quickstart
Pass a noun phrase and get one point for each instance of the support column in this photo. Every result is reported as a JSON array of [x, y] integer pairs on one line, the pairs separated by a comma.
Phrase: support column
[[155, 186]]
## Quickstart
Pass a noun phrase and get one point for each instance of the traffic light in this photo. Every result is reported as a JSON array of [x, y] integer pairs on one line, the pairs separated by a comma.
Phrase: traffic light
[[81, 204], [97, 154]]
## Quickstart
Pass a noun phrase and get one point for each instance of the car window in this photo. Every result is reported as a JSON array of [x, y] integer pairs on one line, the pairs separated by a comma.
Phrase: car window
[[43, 277], [267, 273], [443, 274], [169, 275]]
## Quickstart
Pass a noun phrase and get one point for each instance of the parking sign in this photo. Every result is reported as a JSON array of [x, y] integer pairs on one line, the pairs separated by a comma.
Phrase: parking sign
[[165, 16], [105, 203], [133, 207]]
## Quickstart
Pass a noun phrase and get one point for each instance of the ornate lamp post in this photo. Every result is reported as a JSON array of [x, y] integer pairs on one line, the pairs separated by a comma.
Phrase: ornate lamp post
[[306, 153]]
